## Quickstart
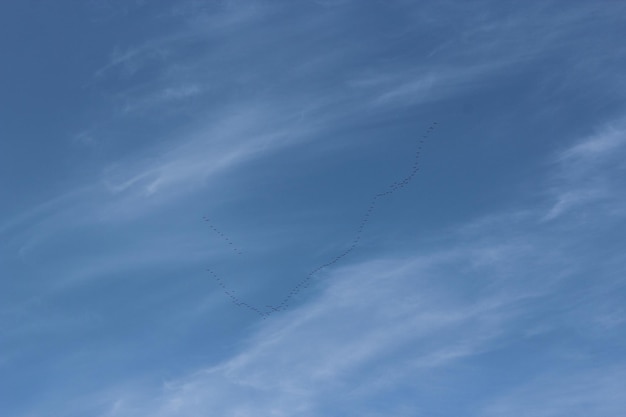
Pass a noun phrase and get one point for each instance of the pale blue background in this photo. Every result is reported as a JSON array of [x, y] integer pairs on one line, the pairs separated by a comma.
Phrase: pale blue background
[[492, 285]]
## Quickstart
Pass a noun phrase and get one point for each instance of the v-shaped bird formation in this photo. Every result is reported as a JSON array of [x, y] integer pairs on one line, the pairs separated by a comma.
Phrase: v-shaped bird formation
[[306, 280]]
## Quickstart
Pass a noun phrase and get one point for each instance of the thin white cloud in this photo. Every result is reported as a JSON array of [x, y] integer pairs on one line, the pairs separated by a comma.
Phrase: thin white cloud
[[187, 163], [393, 316], [174, 95], [487, 44], [381, 324], [593, 392], [211, 150], [378, 324], [375, 325], [589, 171], [369, 313], [610, 139], [431, 84]]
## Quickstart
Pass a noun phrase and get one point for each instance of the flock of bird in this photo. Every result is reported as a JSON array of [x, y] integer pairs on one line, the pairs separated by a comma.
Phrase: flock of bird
[[305, 282], [223, 236]]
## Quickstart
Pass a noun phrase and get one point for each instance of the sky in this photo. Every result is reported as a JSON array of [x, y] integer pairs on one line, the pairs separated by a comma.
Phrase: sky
[[320, 208]]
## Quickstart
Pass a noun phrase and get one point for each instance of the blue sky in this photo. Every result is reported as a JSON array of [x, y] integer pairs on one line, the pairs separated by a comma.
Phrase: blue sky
[[491, 283]]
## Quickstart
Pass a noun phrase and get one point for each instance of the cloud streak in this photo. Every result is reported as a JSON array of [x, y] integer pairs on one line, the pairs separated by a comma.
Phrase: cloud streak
[[403, 322], [275, 120]]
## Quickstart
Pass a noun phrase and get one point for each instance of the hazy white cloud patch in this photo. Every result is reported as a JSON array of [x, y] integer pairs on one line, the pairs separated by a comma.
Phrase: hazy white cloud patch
[[600, 145], [581, 393], [429, 85], [397, 322], [334, 349], [168, 96], [590, 171], [209, 150], [204, 109]]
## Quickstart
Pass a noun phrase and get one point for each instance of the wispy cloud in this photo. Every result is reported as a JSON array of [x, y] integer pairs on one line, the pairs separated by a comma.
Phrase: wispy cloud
[[227, 142], [589, 171], [402, 321], [293, 364], [579, 393], [382, 324], [228, 85]]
